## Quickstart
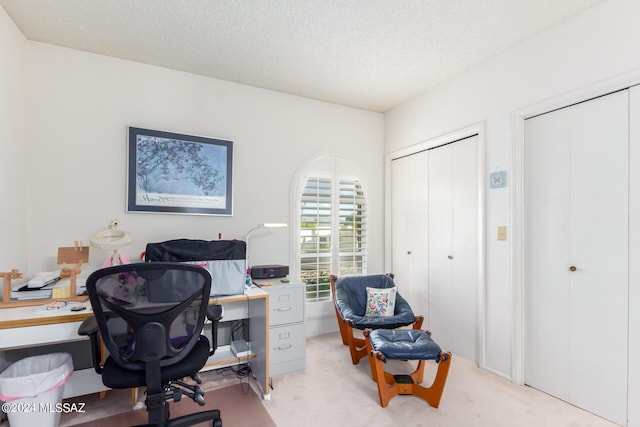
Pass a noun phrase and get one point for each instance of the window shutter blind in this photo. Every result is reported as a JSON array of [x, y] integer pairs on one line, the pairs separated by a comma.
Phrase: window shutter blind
[[333, 231], [353, 228], [315, 238]]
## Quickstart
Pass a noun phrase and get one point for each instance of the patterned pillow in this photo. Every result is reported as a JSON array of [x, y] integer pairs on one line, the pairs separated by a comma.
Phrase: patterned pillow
[[380, 302]]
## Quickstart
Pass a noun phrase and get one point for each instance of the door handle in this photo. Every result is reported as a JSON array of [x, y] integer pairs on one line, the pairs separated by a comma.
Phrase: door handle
[[572, 268]]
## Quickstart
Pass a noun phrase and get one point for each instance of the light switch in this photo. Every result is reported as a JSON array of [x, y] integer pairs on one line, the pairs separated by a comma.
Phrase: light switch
[[502, 232]]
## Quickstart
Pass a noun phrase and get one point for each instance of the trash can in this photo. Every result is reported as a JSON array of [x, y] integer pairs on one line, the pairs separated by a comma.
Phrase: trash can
[[32, 389]]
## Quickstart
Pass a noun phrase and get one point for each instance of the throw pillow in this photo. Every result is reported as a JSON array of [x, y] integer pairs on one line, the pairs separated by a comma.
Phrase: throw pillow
[[380, 302]]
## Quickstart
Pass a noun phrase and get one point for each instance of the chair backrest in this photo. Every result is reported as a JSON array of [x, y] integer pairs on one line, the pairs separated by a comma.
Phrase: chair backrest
[[352, 290], [149, 312]]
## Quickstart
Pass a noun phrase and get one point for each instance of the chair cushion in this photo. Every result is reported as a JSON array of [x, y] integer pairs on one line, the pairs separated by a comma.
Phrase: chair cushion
[[405, 344], [380, 302], [114, 376], [351, 302]]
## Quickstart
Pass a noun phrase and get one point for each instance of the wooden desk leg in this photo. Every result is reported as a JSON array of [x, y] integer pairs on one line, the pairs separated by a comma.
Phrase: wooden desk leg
[[134, 397]]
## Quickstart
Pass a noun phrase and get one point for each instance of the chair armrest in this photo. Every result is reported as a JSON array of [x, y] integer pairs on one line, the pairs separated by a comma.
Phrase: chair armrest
[[89, 327], [214, 313]]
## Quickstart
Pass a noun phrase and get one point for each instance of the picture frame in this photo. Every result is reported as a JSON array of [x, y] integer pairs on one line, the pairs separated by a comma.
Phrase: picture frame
[[498, 179], [179, 174]]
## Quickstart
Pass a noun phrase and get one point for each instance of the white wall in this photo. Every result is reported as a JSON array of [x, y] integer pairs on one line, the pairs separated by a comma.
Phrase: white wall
[[13, 169], [596, 46], [71, 126], [80, 104]]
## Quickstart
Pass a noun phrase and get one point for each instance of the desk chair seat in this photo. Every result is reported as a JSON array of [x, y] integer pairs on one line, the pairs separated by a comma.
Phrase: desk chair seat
[[150, 317], [350, 297], [114, 376], [406, 344]]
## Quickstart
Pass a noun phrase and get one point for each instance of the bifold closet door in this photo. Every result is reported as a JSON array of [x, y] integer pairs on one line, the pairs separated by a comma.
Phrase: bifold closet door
[[453, 247], [409, 228], [634, 258], [576, 254]]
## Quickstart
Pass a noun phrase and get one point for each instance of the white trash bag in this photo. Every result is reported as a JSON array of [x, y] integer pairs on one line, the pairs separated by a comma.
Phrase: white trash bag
[[33, 387]]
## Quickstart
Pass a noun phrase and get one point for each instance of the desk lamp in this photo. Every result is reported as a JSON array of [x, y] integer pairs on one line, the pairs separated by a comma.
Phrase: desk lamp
[[112, 238], [249, 233]]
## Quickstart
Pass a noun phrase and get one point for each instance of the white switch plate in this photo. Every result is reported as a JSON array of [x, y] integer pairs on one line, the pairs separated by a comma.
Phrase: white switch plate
[[502, 232]]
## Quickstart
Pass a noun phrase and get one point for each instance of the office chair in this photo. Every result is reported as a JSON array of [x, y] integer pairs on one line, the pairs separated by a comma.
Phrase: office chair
[[150, 316], [353, 302]]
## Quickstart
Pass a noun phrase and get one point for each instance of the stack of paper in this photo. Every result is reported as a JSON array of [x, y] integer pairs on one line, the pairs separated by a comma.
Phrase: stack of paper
[[39, 287], [41, 280], [25, 292]]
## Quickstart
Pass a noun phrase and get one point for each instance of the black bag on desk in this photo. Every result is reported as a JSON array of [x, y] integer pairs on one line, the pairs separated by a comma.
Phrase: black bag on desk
[[224, 259]]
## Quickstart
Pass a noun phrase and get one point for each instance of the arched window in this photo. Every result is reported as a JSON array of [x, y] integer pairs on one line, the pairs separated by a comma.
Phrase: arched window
[[332, 226]]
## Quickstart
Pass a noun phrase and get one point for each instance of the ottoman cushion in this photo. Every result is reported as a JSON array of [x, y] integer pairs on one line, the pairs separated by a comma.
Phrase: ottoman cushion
[[405, 344]]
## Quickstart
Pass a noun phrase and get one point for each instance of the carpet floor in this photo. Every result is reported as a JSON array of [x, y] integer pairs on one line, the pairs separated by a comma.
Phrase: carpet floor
[[331, 391], [239, 405]]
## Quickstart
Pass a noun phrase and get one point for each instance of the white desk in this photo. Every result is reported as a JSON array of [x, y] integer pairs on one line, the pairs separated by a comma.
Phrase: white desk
[[22, 327], [253, 305]]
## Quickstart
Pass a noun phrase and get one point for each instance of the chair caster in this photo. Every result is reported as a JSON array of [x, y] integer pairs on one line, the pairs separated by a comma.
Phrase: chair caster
[[198, 397], [196, 378]]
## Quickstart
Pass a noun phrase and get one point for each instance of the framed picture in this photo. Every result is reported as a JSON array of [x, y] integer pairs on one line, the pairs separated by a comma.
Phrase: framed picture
[[175, 173], [498, 179]]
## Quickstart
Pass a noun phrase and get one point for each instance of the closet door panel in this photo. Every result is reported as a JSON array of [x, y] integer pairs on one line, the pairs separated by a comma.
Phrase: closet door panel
[[599, 251], [410, 228], [464, 241], [634, 258], [419, 229], [547, 249], [441, 293], [400, 208]]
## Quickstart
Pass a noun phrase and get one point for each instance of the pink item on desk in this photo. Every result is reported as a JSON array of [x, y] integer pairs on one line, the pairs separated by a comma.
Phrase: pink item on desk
[[122, 259]]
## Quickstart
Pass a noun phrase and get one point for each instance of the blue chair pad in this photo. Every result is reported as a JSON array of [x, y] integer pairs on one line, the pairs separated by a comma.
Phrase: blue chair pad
[[351, 301], [405, 344]]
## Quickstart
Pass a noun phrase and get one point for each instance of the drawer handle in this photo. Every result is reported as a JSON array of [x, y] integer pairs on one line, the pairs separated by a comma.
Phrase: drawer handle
[[284, 309], [284, 347]]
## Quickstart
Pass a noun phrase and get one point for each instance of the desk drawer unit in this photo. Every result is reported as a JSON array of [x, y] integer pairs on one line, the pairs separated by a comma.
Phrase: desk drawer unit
[[287, 349], [286, 305], [287, 337]]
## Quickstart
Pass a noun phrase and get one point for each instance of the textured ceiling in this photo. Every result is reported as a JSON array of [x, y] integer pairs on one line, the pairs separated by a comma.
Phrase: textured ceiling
[[370, 54]]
